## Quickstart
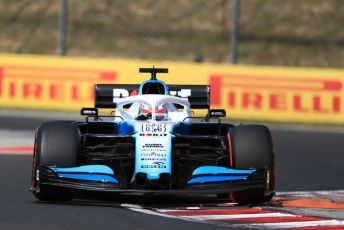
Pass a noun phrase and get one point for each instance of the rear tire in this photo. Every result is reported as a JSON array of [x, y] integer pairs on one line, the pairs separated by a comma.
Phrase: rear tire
[[252, 148], [57, 144]]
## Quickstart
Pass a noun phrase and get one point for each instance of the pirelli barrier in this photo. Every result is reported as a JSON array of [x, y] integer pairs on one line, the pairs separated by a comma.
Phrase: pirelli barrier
[[303, 95]]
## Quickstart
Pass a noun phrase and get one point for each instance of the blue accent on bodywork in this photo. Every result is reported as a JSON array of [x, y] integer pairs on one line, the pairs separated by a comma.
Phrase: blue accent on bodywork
[[125, 128], [207, 179], [87, 172], [219, 170], [94, 177], [208, 174], [103, 169]]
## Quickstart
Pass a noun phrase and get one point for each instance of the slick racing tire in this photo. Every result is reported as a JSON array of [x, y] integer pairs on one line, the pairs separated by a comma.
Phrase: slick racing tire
[[252, 148], [57, 144]]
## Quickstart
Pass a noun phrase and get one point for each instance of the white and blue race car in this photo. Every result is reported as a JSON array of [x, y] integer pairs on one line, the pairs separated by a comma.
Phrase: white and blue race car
[[152, 144]]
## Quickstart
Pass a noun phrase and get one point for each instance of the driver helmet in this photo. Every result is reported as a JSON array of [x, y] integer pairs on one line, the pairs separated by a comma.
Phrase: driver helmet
[[160, 111]]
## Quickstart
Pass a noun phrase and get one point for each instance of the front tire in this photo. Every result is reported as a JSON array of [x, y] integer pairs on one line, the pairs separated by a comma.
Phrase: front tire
[[57, 144], [252, 148]]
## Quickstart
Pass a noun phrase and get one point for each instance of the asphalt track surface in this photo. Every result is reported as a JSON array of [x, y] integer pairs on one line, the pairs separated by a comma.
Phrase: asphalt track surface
[[305, 161]]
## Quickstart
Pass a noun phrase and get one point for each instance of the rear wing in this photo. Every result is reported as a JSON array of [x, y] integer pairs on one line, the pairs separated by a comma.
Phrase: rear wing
[[105, 95]]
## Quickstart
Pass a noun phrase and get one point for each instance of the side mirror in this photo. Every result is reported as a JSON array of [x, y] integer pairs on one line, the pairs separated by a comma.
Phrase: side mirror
[[217, 113], [89, 112]]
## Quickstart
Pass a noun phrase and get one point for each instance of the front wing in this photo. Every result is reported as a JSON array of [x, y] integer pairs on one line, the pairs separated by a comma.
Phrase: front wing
[[49, 177]]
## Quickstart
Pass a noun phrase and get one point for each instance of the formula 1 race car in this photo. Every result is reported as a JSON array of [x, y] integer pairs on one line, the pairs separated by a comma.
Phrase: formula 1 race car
[[152, 144]]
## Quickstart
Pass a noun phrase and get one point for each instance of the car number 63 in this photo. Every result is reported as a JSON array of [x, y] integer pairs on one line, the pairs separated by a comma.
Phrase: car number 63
[[153, 128]]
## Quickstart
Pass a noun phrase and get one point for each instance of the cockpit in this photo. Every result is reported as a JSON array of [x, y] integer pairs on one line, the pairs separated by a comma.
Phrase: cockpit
[[153, 108], [153, 102], [146, 111]]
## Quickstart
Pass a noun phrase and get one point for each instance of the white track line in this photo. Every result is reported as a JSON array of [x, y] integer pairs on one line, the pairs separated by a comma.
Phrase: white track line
[[124, 205], [139, 208], [150, 212], [322, 192], [16, 154], [296, 224], [238, 216], [177, 210]]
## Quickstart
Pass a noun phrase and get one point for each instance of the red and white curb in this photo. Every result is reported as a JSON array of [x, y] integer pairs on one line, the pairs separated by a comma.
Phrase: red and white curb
[[267, 217], [254, 217], [17, 150]]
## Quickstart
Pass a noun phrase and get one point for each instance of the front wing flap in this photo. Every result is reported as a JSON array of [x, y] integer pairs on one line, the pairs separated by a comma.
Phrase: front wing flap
[[257, 180]]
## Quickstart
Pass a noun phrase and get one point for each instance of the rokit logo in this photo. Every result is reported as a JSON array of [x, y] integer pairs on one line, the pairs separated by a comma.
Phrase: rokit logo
[[153, 134]]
